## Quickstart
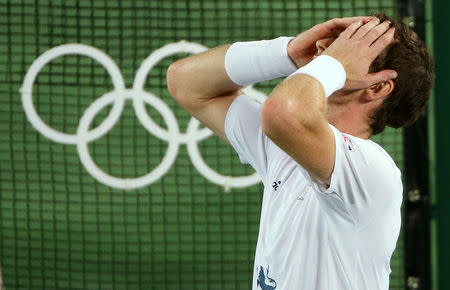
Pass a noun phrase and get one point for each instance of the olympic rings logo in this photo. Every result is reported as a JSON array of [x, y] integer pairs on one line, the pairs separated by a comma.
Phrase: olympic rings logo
[[117, 98]]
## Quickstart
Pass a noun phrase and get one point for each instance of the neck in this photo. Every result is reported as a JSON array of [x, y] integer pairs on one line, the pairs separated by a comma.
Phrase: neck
[[349, 115]]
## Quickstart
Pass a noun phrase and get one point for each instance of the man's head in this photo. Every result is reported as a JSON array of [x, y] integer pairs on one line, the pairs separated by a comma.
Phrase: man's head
[[409, 57], [399, 101]]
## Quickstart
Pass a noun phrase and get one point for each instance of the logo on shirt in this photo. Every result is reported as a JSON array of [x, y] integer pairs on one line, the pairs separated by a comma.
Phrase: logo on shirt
[[276, 184], [349, 144], [264, 282], [305, 191]]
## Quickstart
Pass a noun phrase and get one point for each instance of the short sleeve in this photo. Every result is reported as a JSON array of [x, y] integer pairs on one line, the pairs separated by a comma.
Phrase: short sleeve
[[365, 181], [243, 130]]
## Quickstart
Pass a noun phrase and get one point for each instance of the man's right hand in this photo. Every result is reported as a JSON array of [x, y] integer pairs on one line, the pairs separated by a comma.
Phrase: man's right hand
[[357, 47]]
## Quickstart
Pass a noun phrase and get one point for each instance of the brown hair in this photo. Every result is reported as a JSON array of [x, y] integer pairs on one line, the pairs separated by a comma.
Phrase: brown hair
[[409, 57]]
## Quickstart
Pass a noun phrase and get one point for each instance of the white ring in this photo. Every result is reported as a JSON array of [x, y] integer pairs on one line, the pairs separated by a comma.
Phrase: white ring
[[41, 61], [125, 183], [139, 82], [209, 173]]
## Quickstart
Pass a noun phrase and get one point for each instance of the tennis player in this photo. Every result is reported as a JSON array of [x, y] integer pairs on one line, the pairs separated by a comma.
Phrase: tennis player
[[330, 214]]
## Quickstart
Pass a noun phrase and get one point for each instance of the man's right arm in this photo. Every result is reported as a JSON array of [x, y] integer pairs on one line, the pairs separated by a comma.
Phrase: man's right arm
[[201, 85]]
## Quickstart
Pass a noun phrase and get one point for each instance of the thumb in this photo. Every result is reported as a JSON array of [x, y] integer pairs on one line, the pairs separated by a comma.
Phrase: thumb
[[381, 76]]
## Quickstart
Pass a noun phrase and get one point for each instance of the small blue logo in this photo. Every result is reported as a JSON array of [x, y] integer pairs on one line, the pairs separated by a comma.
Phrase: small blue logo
[[350, 146], [264, 281], [276, 184]]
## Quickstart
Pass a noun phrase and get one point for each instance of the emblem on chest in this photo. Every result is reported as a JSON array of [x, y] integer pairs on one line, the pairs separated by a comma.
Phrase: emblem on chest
[[276, 184]]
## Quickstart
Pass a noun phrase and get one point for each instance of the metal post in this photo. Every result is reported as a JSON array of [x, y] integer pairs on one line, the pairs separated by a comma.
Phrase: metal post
[[441, 28], [416, 178]]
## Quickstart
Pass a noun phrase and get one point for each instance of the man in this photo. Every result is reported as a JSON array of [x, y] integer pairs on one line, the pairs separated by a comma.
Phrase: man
[[330, 215]]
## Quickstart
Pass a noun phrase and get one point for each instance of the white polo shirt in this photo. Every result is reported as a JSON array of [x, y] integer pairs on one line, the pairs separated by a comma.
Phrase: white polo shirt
[[316, 238]]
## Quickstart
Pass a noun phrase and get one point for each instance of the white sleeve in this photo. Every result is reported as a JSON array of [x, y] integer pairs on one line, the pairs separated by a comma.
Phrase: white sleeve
[[243, 130], [365, 181]]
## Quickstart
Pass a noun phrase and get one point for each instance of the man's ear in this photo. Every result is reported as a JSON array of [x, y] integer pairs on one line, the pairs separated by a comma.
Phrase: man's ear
[[378, 91]]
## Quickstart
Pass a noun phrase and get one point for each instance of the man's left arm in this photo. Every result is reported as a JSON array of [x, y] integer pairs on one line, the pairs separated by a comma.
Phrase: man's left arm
[[294, 116]]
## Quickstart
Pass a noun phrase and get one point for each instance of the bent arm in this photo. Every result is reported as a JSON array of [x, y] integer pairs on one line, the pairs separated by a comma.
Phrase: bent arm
[[294, 115], [294, 118], [200, 84]]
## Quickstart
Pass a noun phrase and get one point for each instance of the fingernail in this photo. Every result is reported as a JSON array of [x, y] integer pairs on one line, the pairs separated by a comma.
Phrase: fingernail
[[394, 75]]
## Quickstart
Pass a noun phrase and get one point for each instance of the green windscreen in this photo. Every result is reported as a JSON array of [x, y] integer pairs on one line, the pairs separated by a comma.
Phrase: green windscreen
[[105, 182]]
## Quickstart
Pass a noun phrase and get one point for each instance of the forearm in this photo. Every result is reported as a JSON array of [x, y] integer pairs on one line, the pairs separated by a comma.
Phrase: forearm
[[301, 98], [294, 116], [297, 104], [200, 77], [224, 69]]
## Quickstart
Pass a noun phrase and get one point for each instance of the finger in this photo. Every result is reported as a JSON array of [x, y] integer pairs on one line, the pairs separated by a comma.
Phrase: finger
[[380, 77], [376, 32], [346, 21], [368, 19], [349, 31], [366, 28], [333, 27], [382, 42]]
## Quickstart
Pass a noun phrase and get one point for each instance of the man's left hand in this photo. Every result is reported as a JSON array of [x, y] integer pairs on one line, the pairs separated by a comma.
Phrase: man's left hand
[[302, 48]]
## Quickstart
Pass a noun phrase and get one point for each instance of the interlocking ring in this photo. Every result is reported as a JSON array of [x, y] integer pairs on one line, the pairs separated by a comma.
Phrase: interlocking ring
[[139, 97]]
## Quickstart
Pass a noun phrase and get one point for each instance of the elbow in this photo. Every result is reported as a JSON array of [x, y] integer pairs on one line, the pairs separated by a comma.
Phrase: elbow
[[174, 78], [179, 84], [282, 116], [273, 117]]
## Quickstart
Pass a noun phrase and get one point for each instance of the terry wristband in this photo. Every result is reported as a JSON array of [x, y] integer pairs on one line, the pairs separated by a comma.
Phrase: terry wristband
[[256, 61], [327, 70]]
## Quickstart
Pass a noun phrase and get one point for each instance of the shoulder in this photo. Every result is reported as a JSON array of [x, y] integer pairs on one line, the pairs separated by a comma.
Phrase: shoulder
[[373, 164], [376, 157]]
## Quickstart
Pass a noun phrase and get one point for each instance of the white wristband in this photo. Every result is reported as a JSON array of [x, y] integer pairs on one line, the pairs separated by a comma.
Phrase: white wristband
[[256, 61], [328, 71]]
